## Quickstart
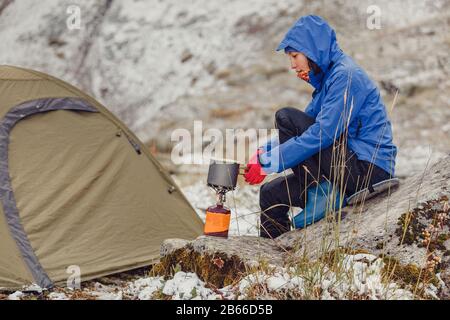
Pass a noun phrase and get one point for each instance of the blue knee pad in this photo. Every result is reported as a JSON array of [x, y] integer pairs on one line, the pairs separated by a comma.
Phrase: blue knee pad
[[317, 204]]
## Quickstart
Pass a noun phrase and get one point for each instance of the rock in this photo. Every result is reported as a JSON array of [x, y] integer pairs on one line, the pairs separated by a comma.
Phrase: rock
[[16, 295], [445, 290], [250, 250], [143, 59], [171, 245], [375, 228], [218, 261]]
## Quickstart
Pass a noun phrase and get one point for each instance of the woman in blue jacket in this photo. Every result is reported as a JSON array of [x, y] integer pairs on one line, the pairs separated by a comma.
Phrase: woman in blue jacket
[[343, 139]]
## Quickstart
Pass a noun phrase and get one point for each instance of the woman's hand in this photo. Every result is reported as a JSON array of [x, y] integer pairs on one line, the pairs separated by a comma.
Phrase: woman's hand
[[254, 173]]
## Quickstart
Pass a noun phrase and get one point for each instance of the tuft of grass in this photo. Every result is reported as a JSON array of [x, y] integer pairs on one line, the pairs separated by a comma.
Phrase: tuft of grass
[[218, 269], [159, 295], [408, 276], [409, 228]]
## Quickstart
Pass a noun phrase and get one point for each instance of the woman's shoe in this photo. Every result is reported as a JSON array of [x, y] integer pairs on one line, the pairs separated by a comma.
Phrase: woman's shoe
[[317, 204]]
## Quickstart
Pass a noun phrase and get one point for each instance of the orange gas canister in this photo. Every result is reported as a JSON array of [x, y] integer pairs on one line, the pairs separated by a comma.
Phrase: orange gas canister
[[222, 178], [217, 221]]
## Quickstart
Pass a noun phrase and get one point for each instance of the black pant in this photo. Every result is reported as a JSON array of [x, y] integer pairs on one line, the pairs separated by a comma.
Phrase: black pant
[[336, 163]]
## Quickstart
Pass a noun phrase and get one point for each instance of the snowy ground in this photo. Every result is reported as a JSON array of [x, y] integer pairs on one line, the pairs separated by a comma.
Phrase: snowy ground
[[360, 278]]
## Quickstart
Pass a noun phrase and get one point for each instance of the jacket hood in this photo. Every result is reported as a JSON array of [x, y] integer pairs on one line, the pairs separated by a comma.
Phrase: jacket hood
[[313, 36]]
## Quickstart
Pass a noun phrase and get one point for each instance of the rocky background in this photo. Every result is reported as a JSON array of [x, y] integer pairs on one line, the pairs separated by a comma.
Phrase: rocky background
[[160, 65]]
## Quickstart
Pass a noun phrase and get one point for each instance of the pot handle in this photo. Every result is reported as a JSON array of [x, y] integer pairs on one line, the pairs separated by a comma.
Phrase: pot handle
[[242, 170]]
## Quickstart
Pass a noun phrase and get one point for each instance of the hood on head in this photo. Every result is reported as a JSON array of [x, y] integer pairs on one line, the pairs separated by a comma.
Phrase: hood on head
[[312, 36]]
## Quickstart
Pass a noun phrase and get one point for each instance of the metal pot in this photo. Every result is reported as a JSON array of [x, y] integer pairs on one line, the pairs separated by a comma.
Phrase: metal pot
[[223, 174]]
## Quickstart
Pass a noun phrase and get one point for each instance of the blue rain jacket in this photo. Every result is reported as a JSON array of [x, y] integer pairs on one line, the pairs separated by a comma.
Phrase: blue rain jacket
[[345, 100]]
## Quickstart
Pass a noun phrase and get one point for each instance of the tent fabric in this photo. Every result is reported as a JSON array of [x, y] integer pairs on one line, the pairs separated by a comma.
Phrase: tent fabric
[[6, 192], [80, 188], [13, 271]]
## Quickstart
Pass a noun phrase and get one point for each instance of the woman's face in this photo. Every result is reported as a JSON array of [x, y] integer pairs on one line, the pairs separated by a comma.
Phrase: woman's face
[[299, 63]]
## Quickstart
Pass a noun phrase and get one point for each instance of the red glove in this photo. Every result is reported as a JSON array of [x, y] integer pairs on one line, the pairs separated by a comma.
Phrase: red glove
[[254, 173]]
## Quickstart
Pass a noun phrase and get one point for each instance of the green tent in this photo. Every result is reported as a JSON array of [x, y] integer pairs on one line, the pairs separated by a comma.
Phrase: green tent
[[77, 188]]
